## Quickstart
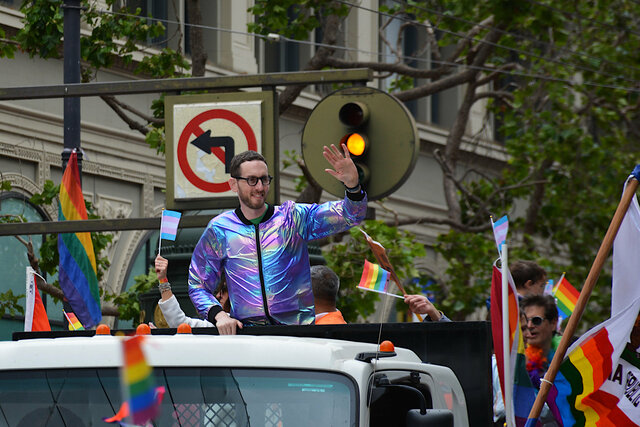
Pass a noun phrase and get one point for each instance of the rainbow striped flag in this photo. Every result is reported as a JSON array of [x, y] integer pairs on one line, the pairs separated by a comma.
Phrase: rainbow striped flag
[[524, 394], [374, 278], [74, 323], [566, 296], [138, 383], [77, 272], [590, 387]]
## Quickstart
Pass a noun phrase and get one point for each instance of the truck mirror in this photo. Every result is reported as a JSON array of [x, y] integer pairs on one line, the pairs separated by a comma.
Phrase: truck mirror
[[431, 418]]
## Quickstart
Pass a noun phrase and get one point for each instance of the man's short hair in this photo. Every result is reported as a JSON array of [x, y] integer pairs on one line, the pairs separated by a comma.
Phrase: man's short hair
[[545, 301], [324, 283], [522, 271], [240, 158]]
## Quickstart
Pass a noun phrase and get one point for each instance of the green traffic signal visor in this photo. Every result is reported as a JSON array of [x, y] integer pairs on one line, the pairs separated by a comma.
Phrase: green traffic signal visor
[[356, 143]]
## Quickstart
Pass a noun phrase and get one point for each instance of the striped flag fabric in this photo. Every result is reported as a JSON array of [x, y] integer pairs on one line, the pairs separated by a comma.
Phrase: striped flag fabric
[[374, 278], [169, 224], [500, 230], [566, 296], [74, 323], [35, 315], [138, 383], [77, 272], [524, 394], [592, 386]]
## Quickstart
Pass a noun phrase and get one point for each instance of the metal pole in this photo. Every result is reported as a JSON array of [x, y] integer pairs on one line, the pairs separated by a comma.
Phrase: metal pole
[[71, 33]]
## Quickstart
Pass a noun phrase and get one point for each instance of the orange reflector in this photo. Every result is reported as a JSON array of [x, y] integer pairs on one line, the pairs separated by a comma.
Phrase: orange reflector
[[143, 329], [387, 346], [356, 144], [103, 329], [183, 328]]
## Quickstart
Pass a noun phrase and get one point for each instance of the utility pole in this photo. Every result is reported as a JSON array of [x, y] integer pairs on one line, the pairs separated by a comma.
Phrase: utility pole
[[71, 33]]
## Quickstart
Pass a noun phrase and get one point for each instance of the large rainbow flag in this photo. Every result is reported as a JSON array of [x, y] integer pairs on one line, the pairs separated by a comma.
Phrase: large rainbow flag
[[566, 296], [374, 278], [594, 386], [524, 394], [77, 272]]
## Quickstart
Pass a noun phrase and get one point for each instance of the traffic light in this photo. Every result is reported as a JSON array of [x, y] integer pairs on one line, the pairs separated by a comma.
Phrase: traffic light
[[379, 133]]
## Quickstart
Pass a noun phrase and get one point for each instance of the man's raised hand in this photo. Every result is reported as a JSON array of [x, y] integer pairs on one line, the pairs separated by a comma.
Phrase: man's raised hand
[[344, 169]]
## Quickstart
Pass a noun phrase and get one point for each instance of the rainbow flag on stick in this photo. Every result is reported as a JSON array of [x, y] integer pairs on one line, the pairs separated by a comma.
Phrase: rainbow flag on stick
[[375, 279], [138, 383], [74, 323], [77, 272], [590, 387], [524, 394], [566, 296]]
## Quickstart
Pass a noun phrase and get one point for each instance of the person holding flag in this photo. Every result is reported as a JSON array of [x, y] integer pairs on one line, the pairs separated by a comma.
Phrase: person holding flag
[[261, 249]]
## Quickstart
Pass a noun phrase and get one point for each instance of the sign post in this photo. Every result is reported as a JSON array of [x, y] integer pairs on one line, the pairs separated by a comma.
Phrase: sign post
[[203, 134]]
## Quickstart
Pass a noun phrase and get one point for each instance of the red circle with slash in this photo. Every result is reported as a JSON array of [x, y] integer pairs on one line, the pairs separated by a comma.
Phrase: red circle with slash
[[193, 128]]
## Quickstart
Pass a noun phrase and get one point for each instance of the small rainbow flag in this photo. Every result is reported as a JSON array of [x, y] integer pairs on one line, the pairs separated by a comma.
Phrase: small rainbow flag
[[138, 382], [374, 278], [566, 296], [74, 323]]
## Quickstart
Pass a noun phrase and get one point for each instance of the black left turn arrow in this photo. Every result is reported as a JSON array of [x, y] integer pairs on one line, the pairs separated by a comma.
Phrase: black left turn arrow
[[206, 143]]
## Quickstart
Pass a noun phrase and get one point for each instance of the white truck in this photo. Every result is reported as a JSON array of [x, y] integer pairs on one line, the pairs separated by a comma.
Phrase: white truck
[[215, 380]]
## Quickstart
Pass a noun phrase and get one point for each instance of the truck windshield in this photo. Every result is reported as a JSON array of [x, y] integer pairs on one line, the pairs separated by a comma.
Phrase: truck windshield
[[193, 397]]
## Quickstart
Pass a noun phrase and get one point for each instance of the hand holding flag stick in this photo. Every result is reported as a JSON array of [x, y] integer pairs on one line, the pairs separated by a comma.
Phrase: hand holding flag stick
[[587, 288], [381, 257]]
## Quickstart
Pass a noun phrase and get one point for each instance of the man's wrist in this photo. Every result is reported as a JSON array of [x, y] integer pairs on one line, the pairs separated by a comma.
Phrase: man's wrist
[[213, 312], [354, 189]]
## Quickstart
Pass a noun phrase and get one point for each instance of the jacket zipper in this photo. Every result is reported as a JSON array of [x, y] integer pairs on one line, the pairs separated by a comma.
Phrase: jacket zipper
[[262, 285]]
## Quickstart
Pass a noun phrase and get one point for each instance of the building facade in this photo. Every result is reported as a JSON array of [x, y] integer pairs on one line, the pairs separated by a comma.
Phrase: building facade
[[124, 178]]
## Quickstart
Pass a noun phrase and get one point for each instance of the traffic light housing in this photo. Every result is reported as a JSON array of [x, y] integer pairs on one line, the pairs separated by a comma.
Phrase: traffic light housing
[[379, 133]]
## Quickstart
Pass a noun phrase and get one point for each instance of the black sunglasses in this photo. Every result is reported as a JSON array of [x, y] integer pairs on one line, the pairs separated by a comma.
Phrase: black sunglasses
[[535, 320], [253, 180]]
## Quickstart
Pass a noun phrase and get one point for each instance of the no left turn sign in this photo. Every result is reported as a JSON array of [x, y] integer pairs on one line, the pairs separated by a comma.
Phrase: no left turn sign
[[207, 137]]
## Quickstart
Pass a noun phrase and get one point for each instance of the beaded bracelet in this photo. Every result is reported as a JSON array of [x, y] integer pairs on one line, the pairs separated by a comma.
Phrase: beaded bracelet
[[164, 286]]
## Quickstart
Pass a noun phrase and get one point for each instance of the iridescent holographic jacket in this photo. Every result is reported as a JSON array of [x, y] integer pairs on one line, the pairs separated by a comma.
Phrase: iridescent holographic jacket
[[266, 265]]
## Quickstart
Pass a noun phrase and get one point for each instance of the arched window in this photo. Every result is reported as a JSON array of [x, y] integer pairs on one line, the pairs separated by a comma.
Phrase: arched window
[[13, 263]]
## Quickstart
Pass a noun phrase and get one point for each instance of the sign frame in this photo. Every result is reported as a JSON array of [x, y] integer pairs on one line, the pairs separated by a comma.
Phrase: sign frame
[[268, 137]]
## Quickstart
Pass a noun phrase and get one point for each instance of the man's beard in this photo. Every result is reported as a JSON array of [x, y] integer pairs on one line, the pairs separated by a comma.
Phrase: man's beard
[[245, 198]]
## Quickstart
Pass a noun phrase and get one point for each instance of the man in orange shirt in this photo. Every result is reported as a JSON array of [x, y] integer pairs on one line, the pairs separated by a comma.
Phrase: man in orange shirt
[[325, 284]]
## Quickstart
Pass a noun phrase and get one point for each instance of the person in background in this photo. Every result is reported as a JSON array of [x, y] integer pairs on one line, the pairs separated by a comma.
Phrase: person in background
[[540, 320], [261, 249], [325, 284], [169, 305], [529, 278]]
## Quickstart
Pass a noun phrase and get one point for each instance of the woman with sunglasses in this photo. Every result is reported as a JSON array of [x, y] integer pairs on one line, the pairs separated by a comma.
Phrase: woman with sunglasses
[[539, 321]]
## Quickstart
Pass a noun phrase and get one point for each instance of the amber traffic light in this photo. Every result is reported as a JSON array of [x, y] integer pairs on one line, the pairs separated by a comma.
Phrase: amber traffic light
[[379, 133]]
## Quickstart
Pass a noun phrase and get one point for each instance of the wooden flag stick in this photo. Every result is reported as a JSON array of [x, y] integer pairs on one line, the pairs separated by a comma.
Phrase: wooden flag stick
[[585, 293], [383, 260]]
